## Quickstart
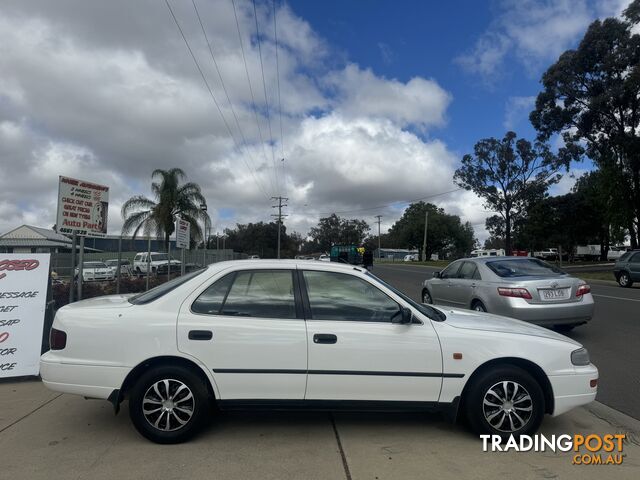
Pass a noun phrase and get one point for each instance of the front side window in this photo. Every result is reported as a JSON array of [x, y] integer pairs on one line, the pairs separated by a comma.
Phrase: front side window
[[339, 296], [467, 271], [451, 271], [252, 293]]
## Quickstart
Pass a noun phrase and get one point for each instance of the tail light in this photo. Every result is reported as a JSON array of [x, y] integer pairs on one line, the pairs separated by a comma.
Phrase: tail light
[[57, 339], [514, 292], [583, 289]]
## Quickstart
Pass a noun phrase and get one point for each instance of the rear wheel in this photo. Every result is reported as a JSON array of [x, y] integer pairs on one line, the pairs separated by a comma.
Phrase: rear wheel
[[564, 328], [624, 280], [505, 401], [426, 296], [478, 306], [169, 404]]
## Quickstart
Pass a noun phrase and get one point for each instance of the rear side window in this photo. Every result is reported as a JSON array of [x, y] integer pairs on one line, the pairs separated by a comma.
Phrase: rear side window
[[524, 267], [252, 293], [635, 258]]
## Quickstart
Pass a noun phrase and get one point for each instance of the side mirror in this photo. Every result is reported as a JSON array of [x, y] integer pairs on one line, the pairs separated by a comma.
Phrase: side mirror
[[403, 317], [436, 274]]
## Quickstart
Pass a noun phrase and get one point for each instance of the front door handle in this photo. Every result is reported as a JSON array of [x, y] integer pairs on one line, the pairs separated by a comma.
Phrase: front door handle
[[200, 334], [325, 338]]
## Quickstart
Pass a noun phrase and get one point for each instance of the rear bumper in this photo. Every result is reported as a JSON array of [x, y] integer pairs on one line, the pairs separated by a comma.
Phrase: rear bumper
[[574, 390], [549, 314], [92, 381]]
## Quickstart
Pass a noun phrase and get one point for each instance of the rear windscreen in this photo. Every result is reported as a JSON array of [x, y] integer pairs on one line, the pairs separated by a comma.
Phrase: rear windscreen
[[163, 289], [523, 267]]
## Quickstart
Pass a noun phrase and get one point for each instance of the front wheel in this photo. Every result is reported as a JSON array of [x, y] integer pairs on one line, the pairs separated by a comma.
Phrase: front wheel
[[624, 280], [169, 404], [505, 401]]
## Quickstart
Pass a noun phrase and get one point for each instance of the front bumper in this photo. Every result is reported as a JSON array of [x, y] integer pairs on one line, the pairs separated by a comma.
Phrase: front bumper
[[573, 390]]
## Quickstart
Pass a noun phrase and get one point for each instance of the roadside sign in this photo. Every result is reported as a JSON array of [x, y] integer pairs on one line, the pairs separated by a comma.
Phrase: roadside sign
[[23, 295], [183, 233], [82, 207]]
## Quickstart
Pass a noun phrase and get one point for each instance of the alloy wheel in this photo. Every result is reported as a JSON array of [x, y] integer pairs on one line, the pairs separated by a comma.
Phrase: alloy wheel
[[426, 297], [507, 406], [168, 405]]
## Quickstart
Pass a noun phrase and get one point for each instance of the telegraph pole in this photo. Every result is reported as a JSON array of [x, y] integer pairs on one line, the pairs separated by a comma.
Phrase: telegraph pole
[[379, 217], [424, 242], [279, 215]]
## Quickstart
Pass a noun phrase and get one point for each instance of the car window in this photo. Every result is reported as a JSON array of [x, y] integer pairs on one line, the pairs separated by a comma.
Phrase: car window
[[524, 267], [625, 256], [339, 296], [451, 271], [159, 257], [635, 258], [476, 274], [261, 294], [467, 270], [210, 301]]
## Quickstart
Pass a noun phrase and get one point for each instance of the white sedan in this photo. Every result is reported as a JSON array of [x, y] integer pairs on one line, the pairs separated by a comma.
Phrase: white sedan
[[290, 334]]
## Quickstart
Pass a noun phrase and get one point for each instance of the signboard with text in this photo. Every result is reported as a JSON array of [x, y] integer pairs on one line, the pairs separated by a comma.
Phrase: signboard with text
[[183, 233], [23, 295], [82, 207]]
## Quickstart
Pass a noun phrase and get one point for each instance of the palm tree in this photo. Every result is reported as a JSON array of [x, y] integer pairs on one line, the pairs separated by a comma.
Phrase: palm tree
[[171, 200]]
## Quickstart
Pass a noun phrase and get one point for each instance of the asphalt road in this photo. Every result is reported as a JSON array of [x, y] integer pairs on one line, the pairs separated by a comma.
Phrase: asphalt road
[[611, 337]]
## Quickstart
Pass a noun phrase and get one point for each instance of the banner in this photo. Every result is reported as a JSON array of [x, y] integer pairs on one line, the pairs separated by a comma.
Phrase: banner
[[183, 233], [82, 207], [23, 296]]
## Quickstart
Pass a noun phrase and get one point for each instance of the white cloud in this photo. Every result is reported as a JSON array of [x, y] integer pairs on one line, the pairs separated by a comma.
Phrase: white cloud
[[108, 92], [517, 110], [535, 32]]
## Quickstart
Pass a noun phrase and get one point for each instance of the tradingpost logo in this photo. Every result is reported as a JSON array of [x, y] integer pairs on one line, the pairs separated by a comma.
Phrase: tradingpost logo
[[592, 449]]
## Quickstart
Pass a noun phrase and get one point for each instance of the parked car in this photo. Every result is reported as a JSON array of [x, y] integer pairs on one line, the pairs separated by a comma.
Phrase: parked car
[[163, 269], [413, 257], [94, 272], [627, 268], [324, 258], [519, 287], [615, 253], [287, 334], [493, 252], [547, 254], [125, 266], [254, 257], [155, 260]]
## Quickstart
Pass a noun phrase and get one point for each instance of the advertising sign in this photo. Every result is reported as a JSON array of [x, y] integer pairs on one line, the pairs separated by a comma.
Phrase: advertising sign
[[183, 233], [23, 295], [82, 207]]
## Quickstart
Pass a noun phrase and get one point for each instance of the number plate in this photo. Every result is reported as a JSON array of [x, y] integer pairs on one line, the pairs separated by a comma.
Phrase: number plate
[[550, 294]]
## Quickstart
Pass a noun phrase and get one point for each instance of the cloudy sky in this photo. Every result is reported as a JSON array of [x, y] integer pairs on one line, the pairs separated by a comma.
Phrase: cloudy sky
[[371, 104]]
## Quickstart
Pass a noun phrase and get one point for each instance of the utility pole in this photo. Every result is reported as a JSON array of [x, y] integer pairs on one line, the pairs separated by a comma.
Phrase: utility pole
[[379, 217], [424, 242], [279, 215]]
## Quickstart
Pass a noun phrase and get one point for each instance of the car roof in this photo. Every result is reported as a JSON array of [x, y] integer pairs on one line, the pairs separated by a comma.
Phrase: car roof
[[290, 263], [492, 258]]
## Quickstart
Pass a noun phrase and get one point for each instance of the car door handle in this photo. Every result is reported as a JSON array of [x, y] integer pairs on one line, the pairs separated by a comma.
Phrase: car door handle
[[473, 285], [324, 338], [200, 334]]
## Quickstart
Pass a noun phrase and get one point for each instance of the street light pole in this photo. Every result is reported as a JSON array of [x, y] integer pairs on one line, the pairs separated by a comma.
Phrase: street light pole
[[424, 242], [203, 209]]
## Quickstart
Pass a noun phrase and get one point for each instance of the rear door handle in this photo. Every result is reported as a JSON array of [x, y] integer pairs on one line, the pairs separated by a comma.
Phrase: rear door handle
[[324, 338], [200, 334]]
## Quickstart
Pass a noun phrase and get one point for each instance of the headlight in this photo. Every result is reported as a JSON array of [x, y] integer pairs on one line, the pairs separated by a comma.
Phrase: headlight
[[580, 357]]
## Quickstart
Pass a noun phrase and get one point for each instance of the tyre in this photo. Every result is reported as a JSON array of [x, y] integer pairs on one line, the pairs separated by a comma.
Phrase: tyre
[[504, 401], [169, 404], [478, 306], [624, 280], [564, 328], [426, 296]]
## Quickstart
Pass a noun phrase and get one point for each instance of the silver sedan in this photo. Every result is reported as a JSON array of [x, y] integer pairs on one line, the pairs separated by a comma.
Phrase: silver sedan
[[519, 287]]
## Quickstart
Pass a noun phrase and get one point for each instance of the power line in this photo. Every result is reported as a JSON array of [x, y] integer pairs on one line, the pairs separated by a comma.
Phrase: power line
[[253, 98], [266, 100], [213, 97], [275, 36], [224, 88]]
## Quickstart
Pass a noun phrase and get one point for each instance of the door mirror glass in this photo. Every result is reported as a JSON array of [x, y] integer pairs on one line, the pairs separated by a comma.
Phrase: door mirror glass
[[404, 316]]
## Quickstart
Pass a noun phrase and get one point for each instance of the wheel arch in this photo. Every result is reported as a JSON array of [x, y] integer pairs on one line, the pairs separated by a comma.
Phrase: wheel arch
[[527, 365], [475, 299], [170, 360]]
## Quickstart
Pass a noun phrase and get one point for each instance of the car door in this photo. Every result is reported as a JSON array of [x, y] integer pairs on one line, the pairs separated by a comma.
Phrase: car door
[[462, 288], [441, 286], [247, 327], [356, 352], [634, 267]]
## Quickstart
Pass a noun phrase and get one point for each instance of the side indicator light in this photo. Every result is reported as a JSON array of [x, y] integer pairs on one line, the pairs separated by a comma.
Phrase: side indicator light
[[594, 383], [457, 356]]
